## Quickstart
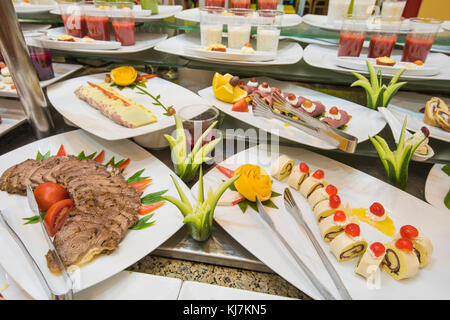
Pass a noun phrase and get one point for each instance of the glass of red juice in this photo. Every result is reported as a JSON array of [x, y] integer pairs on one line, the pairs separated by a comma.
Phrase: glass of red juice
[[267, 4], [384, 37], [42, 61], [215, 3], [122, 21], [240, 4], [420, 39], [352, 36], [97, 22], [72, 13]]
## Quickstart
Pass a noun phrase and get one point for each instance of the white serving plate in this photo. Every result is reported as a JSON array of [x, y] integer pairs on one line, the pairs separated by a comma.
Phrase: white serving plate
[[91, 120], [437, 187], [364, 121], [288, 52], [359, 64], [33, 8], [144, 41], [193, 15], [78, 44], [446, 25], [359, 190], [231, 54], [415, 122], [164, 11], [133, 247], [61, 71], [192, 290], [325, 57], [12, 115], [34, 27]]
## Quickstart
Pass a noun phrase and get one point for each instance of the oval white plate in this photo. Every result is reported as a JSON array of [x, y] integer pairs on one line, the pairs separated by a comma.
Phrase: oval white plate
[[78, 44], [437, 187], [232, 54]]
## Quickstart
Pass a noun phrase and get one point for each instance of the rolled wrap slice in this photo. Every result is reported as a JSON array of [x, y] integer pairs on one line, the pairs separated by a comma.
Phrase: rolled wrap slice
[[400, 260], [349, 244], [333, 225], [298, 175], [423, 248], [321, 194], [327, 207], [282, 167], [312, 183], [370, 261]]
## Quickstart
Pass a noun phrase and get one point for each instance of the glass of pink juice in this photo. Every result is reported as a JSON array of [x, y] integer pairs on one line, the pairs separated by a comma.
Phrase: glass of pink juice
[[268, 4], [72, 14], [381, 45], [352, 36], [420, 40], [42, 62], [97, 21], [215, 3]]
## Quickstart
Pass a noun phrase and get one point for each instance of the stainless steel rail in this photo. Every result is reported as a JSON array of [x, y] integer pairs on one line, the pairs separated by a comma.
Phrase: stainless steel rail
[[15, 53]]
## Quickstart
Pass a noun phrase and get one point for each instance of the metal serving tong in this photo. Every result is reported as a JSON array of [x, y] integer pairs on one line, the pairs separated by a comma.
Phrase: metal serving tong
[[294, 210], [319, 286], [34, 207], [341, 140]]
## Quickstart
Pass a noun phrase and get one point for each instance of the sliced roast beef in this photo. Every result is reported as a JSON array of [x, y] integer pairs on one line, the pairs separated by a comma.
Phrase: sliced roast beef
[[345, 118], [15, 182]]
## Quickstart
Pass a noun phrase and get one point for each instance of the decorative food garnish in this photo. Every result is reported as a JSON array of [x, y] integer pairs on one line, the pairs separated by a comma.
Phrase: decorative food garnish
[[385, 61], [240, 106], [378, 94], [217, 47], [254, 181], [123, 76], [199, 217], [248, 49], [404, 244], [377, 209], [318, 174], [377, 218], [331, 190], [186, 165], [353, 230], [303, 167], [378, 249], [48, 193], [409, 232], [335, 201], [396, 162], [66, 38], [339, 216], [224, 91], [418, 62]]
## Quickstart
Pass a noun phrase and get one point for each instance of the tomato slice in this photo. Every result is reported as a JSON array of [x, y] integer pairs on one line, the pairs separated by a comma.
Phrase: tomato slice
[[140, 185], [143, 210], [61, 152], [100, 157], [48, 193], [57, 215], [228, 172]]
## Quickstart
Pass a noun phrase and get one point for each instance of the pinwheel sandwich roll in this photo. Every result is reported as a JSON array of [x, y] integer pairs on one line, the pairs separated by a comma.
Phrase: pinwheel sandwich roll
[[349, 244], [370, 261], [322, 194], [315, 181], [400, 260], [332, 226], [422, 245], [282, 167], [298, 175], [327, 207]]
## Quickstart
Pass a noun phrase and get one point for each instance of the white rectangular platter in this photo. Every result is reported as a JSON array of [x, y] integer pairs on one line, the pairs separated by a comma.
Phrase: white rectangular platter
[[288, 52], [61, 70], [90, 119], [364, 121], [12, 115], [133, 247], [358, 189], [325, 57]]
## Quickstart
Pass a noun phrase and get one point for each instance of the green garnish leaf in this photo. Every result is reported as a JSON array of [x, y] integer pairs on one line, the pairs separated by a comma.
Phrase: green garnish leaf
[[153, 197], [41, 157], [446, 169], [447, 200], [34, 219], [143, 224], [136, 177]]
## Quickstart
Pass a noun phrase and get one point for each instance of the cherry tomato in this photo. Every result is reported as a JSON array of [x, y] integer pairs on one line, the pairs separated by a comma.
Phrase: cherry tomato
[[339, 216], [56, 215], [331, 190], [292, 96], [265, 85], [409, 232], [378, 249], [48, 193], [318, 174], [352, 229], [335, 201], [334, 110], [404, 244], [304, 167], [377, 209]]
